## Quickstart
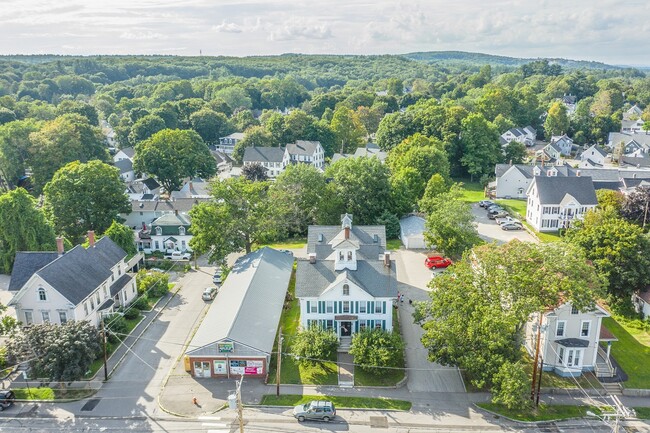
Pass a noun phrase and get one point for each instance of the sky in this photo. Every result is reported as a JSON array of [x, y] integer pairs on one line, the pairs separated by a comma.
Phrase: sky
[[611, 31]]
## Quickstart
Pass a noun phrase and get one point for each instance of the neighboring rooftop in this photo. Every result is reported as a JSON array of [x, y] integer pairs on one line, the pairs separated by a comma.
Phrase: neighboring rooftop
[[552, 190], [263, 154]]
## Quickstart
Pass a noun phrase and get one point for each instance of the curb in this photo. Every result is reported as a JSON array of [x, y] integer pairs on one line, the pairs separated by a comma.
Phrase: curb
[[535, 423]]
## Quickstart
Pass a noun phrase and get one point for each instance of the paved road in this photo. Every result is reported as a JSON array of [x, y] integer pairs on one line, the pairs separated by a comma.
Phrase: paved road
[[423, 375], [490, 230]]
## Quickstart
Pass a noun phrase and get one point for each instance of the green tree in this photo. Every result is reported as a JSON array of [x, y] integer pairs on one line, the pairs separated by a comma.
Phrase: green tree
[[391, 222], [256, 136], [6, 115], [636, 206], [376, 349], [315, 345], [557, 120], [394, 128], [145, 127], [299, 193], [65, 139], [619, 250], [85, 196], [23, 227], [255, 172], [512, 386], [361, 186], [609, 200], [152, 283], [173, 154], [210, 125], [15, 149], [450, 223], [480, 141], [479, 306], [122, 236], [515, 152], [81, 108], [235, 97], [348, 130], [436, 185], [62, 353], [240, 215]]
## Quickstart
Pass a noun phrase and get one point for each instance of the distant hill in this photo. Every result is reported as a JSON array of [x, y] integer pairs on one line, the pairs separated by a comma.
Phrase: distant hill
[[489, 59]]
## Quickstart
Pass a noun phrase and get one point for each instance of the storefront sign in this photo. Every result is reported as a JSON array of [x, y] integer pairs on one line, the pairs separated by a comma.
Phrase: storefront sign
[[226, 347], [220, 367], [246, 367]]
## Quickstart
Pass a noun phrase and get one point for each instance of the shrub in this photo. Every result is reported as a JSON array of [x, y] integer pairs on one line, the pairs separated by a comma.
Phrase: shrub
[[511, 386], [132, 313], [376, 348], [116, 326], [391, 222], [314, 344], [141, 304], [152, 283]]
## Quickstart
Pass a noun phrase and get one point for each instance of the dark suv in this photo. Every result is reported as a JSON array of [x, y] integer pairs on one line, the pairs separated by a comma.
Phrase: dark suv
[[320, 410], [7, 398]]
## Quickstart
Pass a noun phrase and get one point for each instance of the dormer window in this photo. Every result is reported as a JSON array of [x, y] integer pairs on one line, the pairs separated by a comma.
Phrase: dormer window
[[341, 255], [346, 290], [42, 296], [159, 231], [349, 255], [181, 231]]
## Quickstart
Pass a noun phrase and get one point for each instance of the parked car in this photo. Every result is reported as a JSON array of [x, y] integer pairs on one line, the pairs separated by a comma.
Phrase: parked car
[[506, 219], [512, 226], [490, 206], [287, 252], [177, 255], [485, 203], [209, 293], [7, 398], [437, 262], [320, 410], [499, 214], [217, 278], [495, 210]]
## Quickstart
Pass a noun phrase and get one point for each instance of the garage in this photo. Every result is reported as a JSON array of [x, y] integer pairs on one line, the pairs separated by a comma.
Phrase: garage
[[237, 334], [412, 232]]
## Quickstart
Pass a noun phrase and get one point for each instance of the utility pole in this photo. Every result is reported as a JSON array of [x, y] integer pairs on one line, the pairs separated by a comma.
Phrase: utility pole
[[536, 360], [240, 408], [539, 381], [105, 354], [279, 363], [645, 212]]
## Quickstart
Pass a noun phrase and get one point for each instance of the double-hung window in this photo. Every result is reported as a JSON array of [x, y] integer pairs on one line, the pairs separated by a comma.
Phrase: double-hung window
[[560, 329], [585, 327]]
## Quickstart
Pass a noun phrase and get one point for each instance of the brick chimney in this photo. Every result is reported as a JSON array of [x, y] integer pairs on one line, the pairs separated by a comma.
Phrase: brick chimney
[[387, 259], [91, 238], [312, 258], [346, 231], [59, 245]]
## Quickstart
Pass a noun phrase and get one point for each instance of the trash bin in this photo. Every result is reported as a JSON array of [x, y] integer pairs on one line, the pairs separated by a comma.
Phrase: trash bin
[[232, 401]]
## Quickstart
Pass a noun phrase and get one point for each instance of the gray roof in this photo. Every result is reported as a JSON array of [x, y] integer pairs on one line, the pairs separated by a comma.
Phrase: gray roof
[[151, 183], [365, 235], [613, 185], [129, 151], [120, 283], [371, 275], [635, 162], [412, 225], [263, 154], [302, 147], [124, 165], [573, 342], [171, 219], [79, 272], [248, 306], [616, 137], [552, 190], [235, 135], [26, 264], [598, 149]]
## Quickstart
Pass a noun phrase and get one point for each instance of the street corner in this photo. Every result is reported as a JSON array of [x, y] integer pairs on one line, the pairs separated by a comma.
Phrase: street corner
[[185, 397]]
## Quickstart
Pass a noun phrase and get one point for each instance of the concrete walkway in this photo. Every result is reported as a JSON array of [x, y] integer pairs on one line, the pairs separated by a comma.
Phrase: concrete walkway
[[346, 369]]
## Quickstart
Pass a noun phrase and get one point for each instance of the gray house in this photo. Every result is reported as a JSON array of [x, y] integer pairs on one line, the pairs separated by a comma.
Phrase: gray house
[[237, 334]]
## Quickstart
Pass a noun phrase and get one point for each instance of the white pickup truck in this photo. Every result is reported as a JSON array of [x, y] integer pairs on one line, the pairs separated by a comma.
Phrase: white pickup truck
[[177, 255]]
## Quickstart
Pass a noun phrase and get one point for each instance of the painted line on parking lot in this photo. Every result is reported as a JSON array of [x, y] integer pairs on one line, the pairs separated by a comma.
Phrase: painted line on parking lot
[[209, 418]]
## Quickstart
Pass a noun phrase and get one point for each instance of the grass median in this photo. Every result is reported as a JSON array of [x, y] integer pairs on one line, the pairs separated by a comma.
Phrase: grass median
[[339, 402], [542, 413]]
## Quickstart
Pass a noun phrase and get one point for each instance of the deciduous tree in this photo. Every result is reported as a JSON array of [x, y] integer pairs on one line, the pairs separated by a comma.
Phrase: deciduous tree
[[376, 349], [82, 197], [481, 148], [122, 236], [557, 120], [315, 345]]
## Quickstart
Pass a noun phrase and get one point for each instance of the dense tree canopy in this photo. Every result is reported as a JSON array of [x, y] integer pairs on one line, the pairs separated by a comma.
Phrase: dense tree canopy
[[82, 197], [173, 154], [123, 236], [23, 227]]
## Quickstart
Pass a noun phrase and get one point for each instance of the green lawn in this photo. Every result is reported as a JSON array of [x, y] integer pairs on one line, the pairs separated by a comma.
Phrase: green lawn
[[51, 394], [542, 413], [642, 412], [473, 192], [339, 402], [289, 244], [393, 244], [631, 352], [517, 207], [291, 371], [389, 377]]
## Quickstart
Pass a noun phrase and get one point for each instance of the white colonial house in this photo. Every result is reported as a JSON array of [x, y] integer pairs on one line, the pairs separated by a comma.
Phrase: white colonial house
[[274, 159], [80, 284], [124, 154], [555, 202], [227, 143], [170, 232], [125, 166], [570, 341], [593, 157], [526, 135], [307, 152], [563, 143], [633, 126], [348, 284]]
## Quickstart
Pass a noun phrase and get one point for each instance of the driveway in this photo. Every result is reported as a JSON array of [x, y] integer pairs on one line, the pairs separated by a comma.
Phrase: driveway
[[423, 375], [490, 231]]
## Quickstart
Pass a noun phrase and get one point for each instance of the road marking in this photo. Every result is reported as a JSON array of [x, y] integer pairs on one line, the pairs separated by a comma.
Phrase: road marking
[[220, 430], [209, 418], [214, 424]]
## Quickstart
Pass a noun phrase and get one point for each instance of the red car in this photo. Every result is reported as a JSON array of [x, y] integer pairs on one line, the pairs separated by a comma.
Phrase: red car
[[437, 262]]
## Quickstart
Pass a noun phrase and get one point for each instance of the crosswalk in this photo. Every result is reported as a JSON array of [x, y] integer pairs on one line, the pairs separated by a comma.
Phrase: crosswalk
[[210, 422]]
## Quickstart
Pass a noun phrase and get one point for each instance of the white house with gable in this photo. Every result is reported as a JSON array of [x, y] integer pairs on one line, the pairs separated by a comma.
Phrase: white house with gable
[[555, 202], [348, 284]]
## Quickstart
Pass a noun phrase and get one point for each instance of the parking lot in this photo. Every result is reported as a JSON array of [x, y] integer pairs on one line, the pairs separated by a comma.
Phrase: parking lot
[[490, 231]]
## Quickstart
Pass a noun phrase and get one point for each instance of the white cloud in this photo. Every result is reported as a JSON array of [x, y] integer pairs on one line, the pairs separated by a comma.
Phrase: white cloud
[[300, 30], [143, 35], [228, 27]]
